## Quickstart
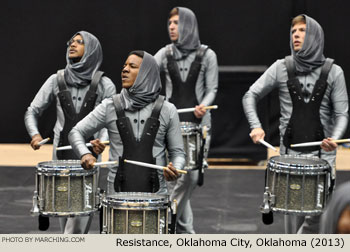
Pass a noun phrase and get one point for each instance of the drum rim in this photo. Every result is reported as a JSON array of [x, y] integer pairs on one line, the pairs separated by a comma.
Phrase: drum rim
[[120, 199], [285, 166], [47, 168]]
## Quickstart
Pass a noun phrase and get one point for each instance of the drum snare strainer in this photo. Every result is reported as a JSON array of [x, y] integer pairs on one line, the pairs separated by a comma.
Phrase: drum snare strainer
[[192, 141]]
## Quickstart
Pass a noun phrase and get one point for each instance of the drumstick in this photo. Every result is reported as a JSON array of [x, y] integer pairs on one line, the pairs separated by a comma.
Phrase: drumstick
[[105, 163], [44, 141], [69, 147], [267, 144], [185, 110], [307, 144], [159, 167]]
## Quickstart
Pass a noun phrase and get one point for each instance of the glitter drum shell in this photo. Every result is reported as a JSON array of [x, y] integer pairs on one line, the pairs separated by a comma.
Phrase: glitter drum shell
[[135, 213], [297, 185], [65, 189]]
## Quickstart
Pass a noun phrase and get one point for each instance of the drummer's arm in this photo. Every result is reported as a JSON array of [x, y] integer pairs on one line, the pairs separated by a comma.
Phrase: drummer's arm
[[339, 98], [92, 123], [265, 84], [174, 142]]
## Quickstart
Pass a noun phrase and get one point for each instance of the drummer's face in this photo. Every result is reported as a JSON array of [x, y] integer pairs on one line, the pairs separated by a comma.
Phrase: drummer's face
[[344, 222], [130, 70]]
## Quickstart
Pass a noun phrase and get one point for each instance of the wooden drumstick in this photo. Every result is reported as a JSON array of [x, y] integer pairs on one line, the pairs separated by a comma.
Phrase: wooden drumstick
[[267, 144], [105, 163], [159, 167], [44, 141], [307, 144], [69, 147], [186, 110]]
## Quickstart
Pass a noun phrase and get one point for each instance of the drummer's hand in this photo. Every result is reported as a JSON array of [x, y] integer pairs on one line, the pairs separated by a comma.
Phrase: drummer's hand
[[170, 173], [256, 134], [199, 111], [97, 146], [87, 161], [35, 140], [328, 145]]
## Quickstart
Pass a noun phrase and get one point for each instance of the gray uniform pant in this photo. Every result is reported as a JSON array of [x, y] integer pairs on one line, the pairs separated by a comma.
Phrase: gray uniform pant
[[301, 224], [182, 190], [75, 225]]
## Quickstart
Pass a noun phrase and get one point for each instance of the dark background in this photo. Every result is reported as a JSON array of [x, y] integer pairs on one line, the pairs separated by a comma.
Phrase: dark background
[[250, 32]]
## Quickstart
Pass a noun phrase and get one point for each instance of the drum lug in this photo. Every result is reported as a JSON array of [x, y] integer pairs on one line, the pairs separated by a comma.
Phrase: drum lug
[[35, 209], [99, 194]]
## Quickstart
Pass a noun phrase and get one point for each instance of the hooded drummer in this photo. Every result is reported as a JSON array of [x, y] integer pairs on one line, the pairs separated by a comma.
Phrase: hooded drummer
[[190, 71], [313, 103], [141, 126], [79, 83]]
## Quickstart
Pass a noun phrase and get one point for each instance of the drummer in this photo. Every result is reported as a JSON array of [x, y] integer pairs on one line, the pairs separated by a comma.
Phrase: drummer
[[71, 87], [187, 86], [305, 113], [141, 125]]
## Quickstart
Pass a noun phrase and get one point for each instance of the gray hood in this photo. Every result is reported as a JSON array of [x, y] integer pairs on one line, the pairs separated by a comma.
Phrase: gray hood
[[80, 73], [339, 201], [310, 56], [188, 40], [146, 87]]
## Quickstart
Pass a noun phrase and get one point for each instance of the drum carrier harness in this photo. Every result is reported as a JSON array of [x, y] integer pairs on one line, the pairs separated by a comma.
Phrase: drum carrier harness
[[71, 118], [305, 124], [129, 177], [183, 93]]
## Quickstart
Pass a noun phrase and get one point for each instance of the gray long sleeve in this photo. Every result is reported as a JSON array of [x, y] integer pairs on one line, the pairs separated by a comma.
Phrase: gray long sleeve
[[207, 82], [46, 95], [168, 137], [334, 105]]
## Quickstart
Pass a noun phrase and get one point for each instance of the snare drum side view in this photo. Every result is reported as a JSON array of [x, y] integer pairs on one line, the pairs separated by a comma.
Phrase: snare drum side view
[[296, 185], [192, 140], [64, 188], [135, 213]]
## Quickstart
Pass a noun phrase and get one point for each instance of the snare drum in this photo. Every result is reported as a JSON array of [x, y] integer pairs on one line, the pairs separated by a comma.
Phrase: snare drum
[[64, 188], [135, 213], [192, 143], [297, 184]]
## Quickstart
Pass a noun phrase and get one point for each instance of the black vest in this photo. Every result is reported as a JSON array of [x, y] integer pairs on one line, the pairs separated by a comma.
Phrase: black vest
[[305, 123], [71, 118], [129, 177], [184, 92]]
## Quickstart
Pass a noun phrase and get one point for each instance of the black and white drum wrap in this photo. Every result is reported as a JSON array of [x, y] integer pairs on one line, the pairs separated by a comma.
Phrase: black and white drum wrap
[[135, 213], [64, 188], [191, 136], [297, 184]]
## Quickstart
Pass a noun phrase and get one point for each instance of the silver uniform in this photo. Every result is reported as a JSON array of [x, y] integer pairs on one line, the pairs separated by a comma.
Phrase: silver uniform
[[104, 116], [206, 89], [207, 82], [333, 110], [48, 93]]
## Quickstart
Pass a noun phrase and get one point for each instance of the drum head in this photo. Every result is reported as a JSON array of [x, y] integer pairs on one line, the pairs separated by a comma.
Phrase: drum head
[[295, 162], [63, 167]]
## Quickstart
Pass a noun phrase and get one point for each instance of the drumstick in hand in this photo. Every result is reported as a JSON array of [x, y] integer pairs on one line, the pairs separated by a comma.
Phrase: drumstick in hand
[[186, 110], [69, 147], [152, 166], [44, 141], [307, 144]]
